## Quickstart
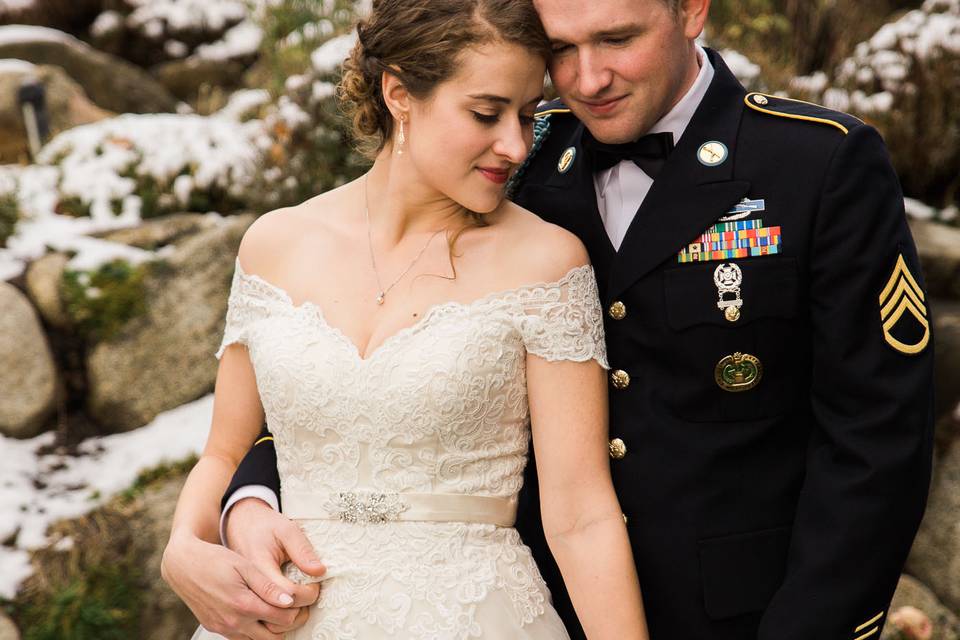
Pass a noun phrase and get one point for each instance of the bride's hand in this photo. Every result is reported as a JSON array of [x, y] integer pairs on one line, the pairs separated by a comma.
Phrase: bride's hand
[[268, 539], [227, 593]]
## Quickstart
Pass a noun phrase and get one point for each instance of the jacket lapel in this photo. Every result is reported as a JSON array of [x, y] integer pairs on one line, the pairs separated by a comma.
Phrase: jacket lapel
[[570, 198], [688, 196]]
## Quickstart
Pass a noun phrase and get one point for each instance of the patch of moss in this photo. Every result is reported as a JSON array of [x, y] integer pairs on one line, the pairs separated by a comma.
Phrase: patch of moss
[[9, 214], [73, 206], [150, 476], [91, 591], [101, 302]]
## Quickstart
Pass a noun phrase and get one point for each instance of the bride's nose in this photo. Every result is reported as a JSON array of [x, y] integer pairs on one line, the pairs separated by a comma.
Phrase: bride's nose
[[511, 143]]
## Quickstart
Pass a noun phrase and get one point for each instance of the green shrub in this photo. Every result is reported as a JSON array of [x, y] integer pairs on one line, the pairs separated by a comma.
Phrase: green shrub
[[101, 302], [9, 214]]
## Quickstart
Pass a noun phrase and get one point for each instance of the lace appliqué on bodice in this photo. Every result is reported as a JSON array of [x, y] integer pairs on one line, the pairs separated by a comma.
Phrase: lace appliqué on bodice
[[439, 407]]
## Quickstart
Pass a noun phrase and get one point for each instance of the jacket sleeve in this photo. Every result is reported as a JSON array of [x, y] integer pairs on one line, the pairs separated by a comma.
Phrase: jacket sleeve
[[258, 467], [869, 456]]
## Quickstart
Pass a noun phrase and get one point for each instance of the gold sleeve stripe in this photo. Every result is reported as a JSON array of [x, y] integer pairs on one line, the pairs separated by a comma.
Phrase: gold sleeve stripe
[[755, 107], [902, 294], [263, 439], [901, 269], [868, 633], [869, 622], [540, 114]]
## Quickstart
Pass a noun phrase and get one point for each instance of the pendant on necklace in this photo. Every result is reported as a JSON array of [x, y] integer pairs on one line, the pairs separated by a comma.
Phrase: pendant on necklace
[[380, 298]]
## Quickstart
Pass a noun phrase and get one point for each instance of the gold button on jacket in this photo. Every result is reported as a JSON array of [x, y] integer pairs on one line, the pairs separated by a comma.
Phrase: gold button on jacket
[[618, 449], [618, 310], [620, 379]]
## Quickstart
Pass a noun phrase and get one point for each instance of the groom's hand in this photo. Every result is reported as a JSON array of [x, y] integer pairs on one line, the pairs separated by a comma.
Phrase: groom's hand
[[227, 593], [268, 539]]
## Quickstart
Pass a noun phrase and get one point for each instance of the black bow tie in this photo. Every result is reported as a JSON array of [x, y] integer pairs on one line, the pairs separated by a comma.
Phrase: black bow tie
[[649, 153]]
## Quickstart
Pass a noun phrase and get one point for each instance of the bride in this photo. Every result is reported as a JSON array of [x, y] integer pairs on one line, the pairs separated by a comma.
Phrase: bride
[[403, 336]]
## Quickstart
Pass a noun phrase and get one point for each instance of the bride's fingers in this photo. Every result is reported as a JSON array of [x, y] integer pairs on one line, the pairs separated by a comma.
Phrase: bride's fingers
[[268, 601], [303, 614], [258, 631]]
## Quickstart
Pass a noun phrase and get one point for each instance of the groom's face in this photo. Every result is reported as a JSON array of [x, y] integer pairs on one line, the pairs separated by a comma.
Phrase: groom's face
[[621, 65]]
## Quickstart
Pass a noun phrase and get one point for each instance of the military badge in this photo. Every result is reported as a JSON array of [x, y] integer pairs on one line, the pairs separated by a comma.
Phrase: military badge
[[739, 372], [731, 240], [900, 296], [566, 160], [728, 278], [745, 209], [712, 153]]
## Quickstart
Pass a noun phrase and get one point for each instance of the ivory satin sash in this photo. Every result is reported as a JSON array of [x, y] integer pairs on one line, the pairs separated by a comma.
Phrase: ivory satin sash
[[371, 507]]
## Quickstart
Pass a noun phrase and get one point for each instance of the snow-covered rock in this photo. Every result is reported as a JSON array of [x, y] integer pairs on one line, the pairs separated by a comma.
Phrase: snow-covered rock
[[110, 82], [905, 80]]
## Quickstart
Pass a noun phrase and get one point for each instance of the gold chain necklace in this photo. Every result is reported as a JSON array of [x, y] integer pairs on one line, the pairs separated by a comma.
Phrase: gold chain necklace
[[381, 296]]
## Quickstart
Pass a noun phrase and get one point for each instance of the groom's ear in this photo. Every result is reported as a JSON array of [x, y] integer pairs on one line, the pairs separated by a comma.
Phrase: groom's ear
[[395, 94], [693, 16]]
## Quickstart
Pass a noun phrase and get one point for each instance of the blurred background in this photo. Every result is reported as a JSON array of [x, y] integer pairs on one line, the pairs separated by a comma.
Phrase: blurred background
[[140, 138]]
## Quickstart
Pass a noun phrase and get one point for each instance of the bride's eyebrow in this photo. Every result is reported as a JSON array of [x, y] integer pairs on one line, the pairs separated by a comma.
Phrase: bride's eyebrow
[[502, 100], [490, 97]]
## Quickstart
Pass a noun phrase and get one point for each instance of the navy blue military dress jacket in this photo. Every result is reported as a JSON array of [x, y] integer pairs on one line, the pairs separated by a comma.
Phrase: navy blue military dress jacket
[[771, 383]]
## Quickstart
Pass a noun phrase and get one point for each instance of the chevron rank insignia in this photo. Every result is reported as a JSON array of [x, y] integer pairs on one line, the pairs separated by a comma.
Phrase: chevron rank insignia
[[902, 299]]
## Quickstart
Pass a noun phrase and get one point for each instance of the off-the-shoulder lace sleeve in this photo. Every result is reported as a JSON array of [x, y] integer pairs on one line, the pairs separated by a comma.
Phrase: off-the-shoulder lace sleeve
[[248, 302], [564, 321]]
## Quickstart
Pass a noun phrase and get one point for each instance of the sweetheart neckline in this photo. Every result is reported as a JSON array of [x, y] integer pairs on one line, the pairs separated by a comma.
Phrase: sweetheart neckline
[[487, 298]]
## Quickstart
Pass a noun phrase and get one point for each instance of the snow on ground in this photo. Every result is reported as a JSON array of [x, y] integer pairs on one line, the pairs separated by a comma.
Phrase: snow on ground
[[37, 490], [20, 33], [12, 65], [188, 15], [93, 164], [240, 41], [333, 52]]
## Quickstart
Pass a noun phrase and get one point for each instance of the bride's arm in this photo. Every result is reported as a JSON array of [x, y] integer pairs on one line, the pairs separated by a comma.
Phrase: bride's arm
[[582, 518]]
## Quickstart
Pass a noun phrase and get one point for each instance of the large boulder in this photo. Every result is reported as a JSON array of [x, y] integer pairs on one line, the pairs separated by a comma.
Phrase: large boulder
[[8, 630], [935, 556], [112, 83], [43, 287], [165, 358], [913, 593], [28, 377], [163, 614], [939, 247], [946, 316], [66, 103]]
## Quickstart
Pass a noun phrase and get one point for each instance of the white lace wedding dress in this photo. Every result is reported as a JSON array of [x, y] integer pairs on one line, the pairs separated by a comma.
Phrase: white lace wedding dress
[[403, 468]]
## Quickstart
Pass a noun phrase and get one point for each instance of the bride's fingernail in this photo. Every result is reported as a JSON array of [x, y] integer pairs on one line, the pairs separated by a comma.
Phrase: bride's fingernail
[[285, 599]]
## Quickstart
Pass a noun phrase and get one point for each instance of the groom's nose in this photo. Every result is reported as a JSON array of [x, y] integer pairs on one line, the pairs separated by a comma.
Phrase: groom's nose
[[593, 76]]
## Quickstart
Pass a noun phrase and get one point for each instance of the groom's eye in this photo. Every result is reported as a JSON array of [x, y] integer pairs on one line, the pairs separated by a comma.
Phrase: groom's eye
[[484, 118]]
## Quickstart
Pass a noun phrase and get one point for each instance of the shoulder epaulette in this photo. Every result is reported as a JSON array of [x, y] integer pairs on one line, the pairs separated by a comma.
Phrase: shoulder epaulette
[[800, 110], [554, 107]]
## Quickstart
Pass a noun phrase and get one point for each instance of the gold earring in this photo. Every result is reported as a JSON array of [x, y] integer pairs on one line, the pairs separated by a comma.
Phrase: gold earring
[[401, 138]]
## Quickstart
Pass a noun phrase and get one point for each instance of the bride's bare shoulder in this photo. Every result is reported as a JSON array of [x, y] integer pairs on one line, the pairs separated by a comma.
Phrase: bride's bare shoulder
[[275, 233], [543, 251]]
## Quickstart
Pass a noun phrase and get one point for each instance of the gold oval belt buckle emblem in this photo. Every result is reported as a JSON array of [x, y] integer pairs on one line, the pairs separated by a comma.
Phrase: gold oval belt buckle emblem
[[739, 372]]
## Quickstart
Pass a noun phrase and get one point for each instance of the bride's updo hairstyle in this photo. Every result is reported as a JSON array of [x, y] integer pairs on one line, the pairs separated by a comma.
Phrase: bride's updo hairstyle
[[420, 42]]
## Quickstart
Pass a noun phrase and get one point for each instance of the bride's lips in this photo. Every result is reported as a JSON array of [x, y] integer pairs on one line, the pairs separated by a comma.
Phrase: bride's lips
[[602, 107], [497, 176]]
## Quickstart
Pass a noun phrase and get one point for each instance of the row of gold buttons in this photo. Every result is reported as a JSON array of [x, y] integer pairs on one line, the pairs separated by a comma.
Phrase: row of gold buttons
[[620, 379]]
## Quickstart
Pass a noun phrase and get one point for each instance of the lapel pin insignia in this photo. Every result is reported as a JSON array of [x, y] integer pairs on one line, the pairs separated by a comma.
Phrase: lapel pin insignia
[[712, 153], [566, 159], [761, 100]]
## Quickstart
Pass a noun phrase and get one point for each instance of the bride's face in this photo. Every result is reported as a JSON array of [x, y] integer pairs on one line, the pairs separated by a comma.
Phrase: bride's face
[[472, 133]]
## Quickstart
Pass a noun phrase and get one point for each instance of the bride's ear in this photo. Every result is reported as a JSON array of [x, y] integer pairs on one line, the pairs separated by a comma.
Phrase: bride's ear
[[395, 94]]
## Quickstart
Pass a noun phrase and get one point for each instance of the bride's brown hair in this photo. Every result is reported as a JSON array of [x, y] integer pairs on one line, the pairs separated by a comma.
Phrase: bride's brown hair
[[420, 42]]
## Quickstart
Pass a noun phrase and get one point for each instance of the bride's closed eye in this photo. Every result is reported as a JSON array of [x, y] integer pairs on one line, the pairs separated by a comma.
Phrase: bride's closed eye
[[489, 119]]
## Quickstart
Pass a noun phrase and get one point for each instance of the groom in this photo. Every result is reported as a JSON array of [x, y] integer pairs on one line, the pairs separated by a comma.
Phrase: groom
[[770, 396]]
